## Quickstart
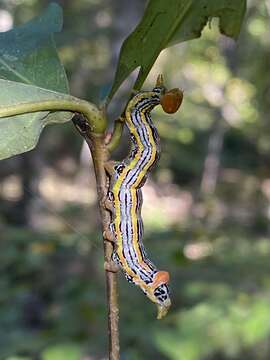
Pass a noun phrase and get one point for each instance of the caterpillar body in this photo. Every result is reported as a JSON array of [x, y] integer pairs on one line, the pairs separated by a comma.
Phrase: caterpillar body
[[125, 195]]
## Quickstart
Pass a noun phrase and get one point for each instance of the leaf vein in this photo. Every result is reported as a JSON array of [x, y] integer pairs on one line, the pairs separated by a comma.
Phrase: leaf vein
[[21, 77]]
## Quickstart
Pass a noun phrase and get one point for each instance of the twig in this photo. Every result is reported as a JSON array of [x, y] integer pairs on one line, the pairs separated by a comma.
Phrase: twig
[[93, 115], [99, 153], [116, 135]]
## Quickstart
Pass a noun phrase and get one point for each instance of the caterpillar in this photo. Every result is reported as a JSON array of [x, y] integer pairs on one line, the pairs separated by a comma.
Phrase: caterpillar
[[125, 195]]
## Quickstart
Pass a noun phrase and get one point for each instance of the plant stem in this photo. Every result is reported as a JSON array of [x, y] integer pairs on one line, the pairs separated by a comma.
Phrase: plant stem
[[94, 116], [100, 156], [116, 135]]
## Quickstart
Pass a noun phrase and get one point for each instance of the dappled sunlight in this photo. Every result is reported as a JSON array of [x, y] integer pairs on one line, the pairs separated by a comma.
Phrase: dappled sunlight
[[198, 250], [60, 190], [6, 20], [213, 94], [165, 206], [11, 188]]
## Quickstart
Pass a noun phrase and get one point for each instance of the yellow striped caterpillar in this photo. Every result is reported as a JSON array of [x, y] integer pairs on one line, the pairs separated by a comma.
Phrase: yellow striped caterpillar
[[125, 195]]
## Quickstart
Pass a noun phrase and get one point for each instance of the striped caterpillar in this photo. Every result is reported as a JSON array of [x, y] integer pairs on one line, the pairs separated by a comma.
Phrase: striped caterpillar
[[125, 196]]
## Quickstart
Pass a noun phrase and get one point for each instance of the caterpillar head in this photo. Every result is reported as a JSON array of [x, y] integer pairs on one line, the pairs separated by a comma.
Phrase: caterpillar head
[[158, 292]]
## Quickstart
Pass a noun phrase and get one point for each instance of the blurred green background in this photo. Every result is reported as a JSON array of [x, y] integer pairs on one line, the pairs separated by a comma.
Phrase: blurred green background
[[206, 207]]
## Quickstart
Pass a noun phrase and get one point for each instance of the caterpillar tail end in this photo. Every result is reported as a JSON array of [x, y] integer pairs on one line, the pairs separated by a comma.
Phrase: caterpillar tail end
[[163, 309]]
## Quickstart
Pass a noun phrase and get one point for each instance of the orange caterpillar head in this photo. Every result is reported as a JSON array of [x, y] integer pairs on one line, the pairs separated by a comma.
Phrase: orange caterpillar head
[[158, 292], [171, 100]]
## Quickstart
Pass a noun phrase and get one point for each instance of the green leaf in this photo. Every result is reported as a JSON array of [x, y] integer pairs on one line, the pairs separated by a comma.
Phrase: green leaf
[[20, 133], [28, 53], [169, 22]]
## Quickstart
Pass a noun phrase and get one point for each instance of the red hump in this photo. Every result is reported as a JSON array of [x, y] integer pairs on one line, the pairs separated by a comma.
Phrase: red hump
[[161, 277], [171, 100]]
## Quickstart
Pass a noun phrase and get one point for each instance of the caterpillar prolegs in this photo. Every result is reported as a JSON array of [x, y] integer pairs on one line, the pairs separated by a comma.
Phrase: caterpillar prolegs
[[125, 195]]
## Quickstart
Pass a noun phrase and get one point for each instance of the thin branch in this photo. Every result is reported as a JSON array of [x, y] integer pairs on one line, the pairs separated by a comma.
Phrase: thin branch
[[118, 127], [94, 116], [96, 143], [116, 135]]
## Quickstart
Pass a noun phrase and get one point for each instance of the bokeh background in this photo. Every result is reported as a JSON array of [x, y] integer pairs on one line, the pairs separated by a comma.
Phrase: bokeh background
[[206, 208]]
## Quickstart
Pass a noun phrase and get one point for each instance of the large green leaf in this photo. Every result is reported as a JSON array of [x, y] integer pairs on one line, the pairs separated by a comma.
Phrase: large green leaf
[[20, 133], [169, 22], [28, 55]]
